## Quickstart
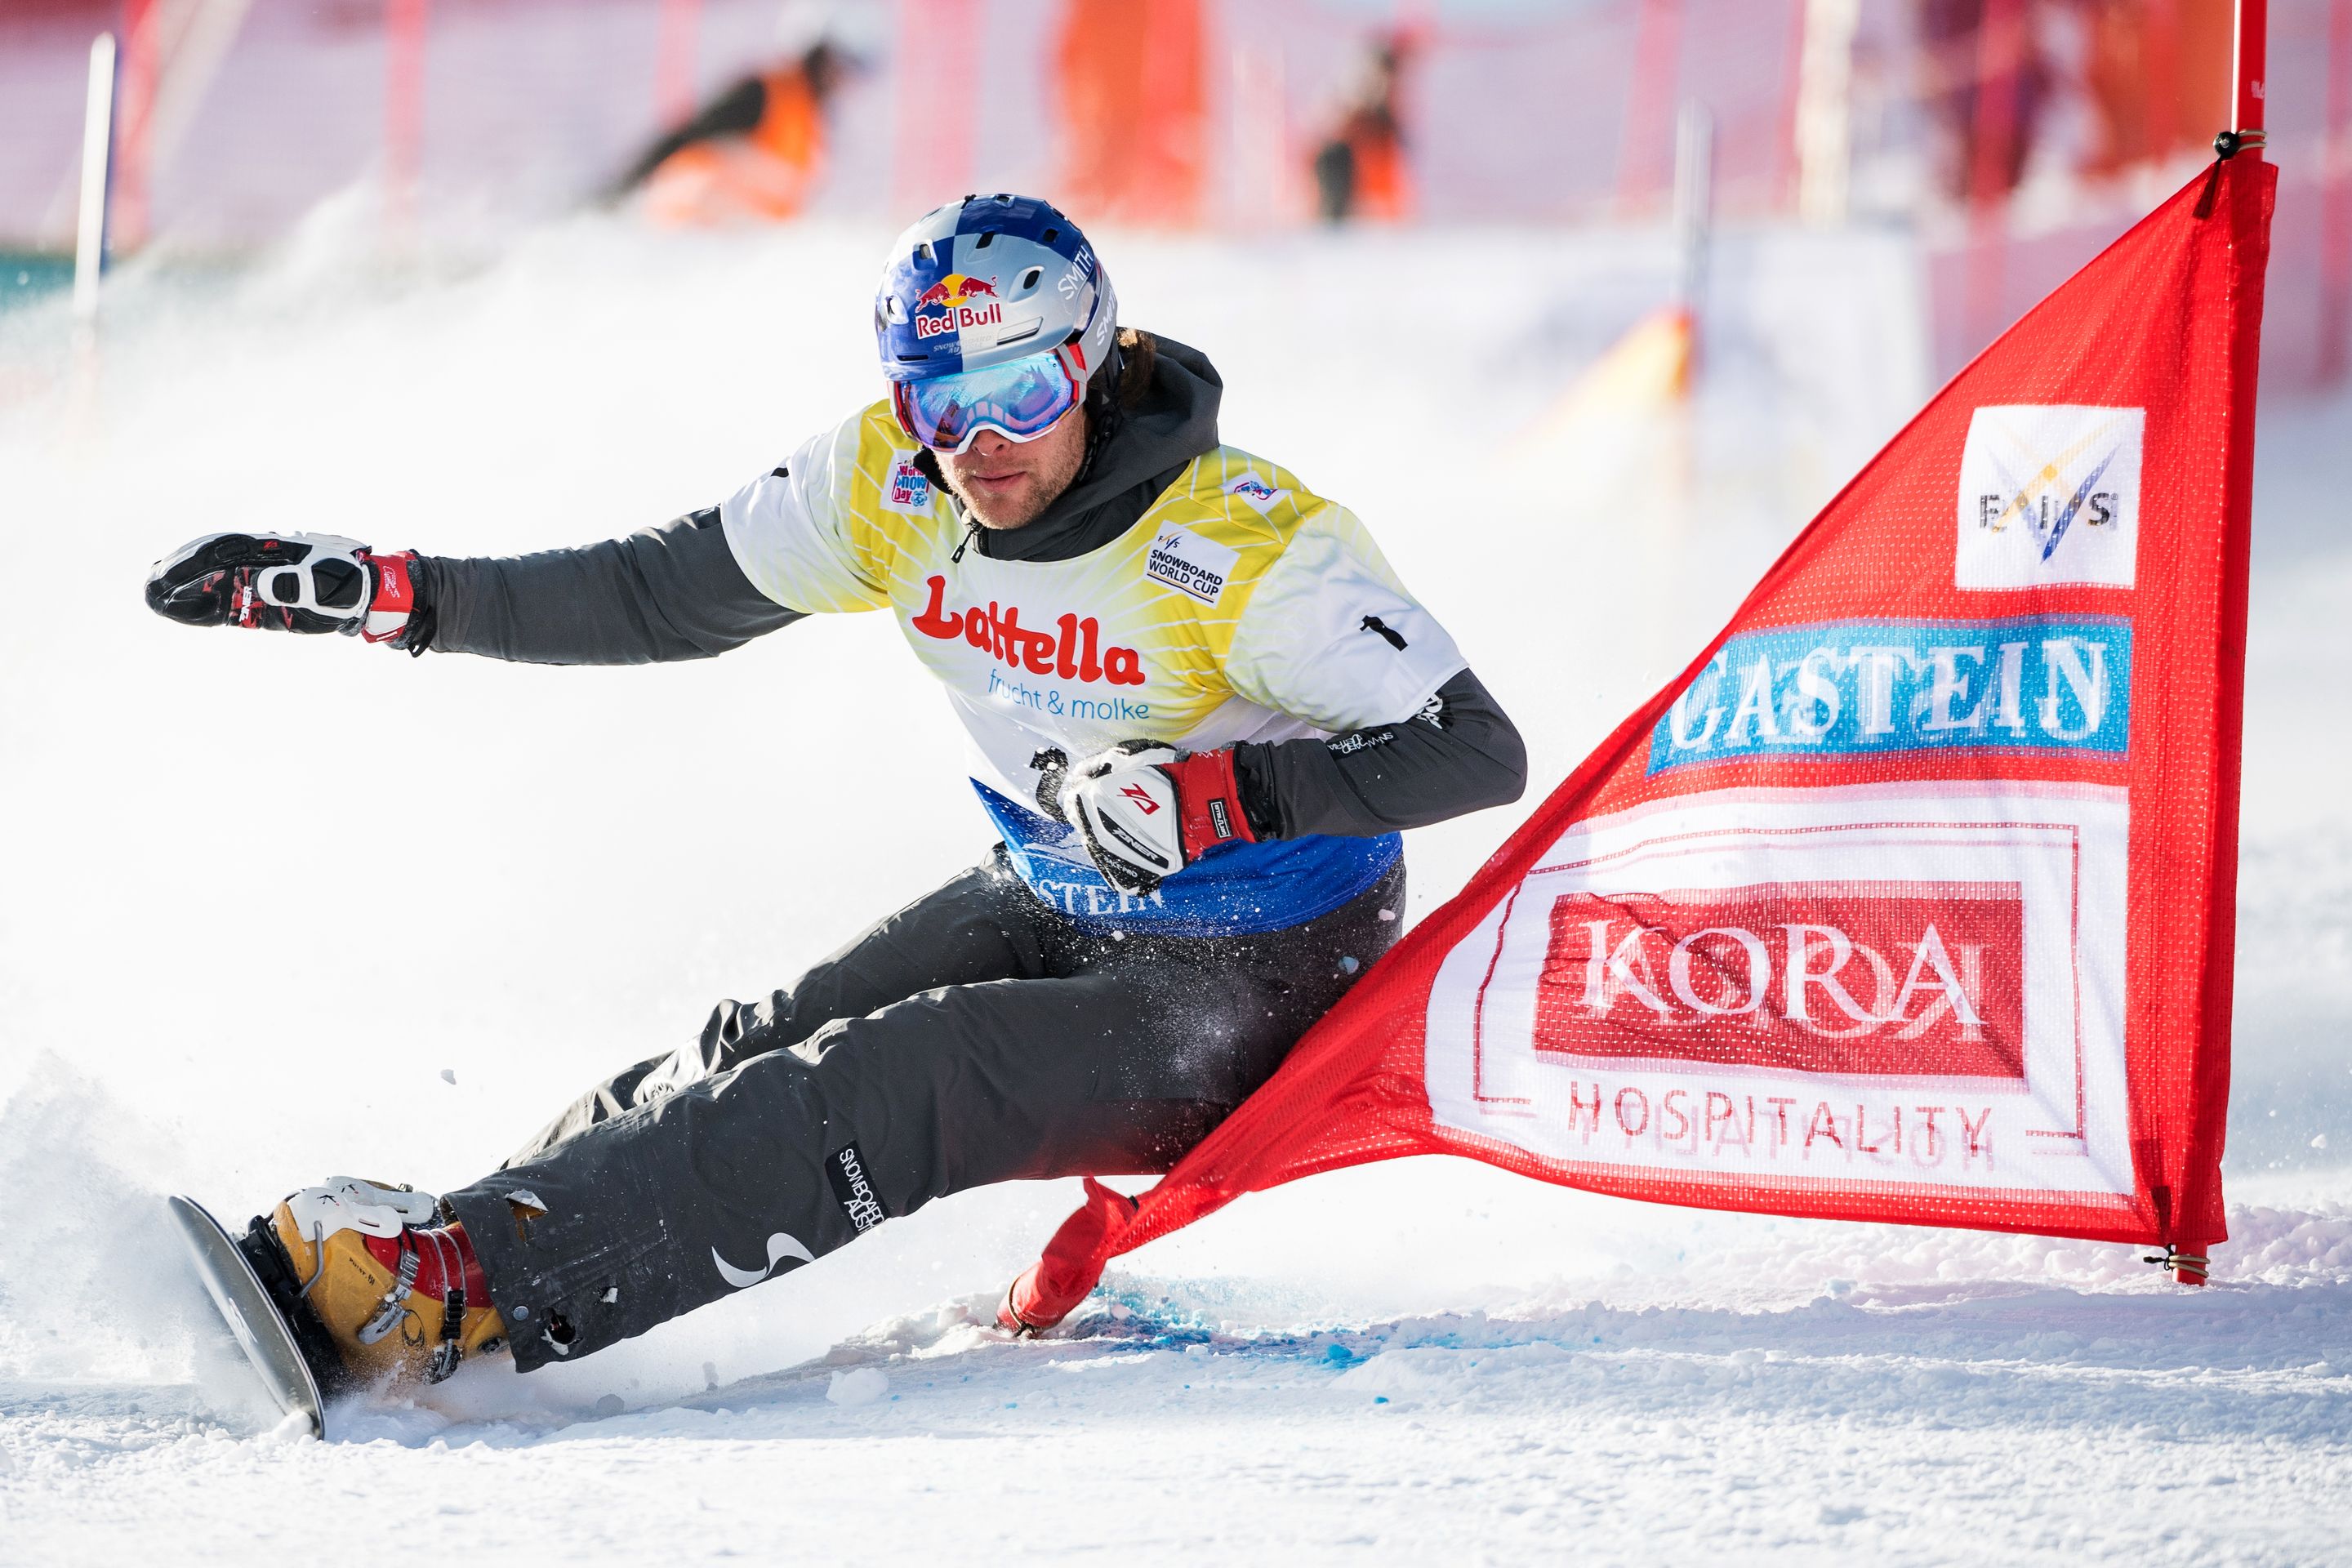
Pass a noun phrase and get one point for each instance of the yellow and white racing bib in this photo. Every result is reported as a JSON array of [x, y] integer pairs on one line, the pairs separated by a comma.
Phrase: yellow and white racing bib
[[1240, 606]]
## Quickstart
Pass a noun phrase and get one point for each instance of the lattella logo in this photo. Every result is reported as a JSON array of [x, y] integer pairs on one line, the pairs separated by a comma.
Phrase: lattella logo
[[1072, 650], [2049, 493]]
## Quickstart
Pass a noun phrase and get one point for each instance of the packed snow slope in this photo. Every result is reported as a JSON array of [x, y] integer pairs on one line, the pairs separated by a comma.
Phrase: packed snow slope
[[274, 909]]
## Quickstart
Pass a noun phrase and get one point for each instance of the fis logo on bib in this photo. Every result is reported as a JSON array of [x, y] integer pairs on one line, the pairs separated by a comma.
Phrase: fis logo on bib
[[1260, 495], [2049, 493]]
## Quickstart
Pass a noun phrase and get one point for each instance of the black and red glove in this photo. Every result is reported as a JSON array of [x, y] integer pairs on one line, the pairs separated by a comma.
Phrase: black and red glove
[[1146, 810], [286, 582]]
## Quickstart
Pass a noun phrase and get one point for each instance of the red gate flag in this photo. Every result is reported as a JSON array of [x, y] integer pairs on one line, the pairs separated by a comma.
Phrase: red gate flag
[[1912, 899]]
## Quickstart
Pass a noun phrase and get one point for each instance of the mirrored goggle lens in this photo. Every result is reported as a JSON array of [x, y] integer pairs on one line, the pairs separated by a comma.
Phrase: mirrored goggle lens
[[1020, 400]]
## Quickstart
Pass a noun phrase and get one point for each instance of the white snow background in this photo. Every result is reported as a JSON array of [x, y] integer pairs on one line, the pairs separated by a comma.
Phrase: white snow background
[[257, 894]]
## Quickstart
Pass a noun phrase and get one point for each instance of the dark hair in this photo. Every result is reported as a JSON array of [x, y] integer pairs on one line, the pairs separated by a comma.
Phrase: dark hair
[[1125, 379], [1118, 387]]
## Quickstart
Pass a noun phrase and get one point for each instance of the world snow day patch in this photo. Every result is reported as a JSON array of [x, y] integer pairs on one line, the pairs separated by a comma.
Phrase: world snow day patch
[[905, 489]]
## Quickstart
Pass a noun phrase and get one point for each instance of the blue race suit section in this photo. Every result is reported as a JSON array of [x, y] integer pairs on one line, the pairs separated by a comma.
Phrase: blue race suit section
[[1236, 890]]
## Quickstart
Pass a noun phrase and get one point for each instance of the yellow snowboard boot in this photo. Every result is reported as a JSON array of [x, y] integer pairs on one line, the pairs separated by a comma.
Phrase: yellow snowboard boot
[[394, 1284]]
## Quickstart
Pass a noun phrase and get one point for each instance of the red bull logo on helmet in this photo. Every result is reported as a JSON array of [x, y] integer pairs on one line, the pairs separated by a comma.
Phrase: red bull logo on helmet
[[956, 302]]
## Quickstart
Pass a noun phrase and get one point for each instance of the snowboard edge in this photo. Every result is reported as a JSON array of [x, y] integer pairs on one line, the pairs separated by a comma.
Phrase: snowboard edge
[[252, 1317]]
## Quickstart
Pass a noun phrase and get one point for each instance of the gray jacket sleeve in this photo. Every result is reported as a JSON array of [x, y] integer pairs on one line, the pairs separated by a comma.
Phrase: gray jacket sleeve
[[668, 592], [1461, 753]]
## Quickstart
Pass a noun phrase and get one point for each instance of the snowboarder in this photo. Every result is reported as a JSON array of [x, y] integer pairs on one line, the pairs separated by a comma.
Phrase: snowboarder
[[1201, 706]]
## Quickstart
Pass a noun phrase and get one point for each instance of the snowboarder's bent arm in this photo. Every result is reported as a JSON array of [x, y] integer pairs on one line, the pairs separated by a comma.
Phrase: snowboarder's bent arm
[[1331, 637], [1460, 754], [668, 592], [1145, 810]]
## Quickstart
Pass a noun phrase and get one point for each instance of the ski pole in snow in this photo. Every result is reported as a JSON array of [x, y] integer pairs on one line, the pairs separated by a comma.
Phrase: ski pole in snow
[[97, 162], [1694, 207], [1824, 119]]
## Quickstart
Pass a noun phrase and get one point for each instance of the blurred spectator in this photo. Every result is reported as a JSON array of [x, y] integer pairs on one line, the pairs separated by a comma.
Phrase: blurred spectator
[[1985, 86], [2155, 75], [752, 154], [1360, 168], [1133, 119]]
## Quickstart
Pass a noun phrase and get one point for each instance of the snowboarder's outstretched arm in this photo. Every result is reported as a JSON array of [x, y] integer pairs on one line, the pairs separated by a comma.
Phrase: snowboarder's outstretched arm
[[668, 592]]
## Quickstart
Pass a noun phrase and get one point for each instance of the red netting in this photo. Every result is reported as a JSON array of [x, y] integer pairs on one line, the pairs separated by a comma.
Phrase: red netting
[[1912, 899]]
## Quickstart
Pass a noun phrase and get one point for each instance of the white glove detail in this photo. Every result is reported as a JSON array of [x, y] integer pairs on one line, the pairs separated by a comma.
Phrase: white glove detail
[[1124, 804], [298, 586]]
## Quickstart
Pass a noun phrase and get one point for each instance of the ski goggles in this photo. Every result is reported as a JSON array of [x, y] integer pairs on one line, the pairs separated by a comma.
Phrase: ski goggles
[[1020, 400]]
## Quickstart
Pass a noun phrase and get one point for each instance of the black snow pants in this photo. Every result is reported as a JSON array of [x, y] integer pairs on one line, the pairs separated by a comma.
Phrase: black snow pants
[[976, 1036]]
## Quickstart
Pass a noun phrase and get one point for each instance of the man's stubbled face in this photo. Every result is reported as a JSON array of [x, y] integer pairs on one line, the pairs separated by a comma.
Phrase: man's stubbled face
[[1006, 484]]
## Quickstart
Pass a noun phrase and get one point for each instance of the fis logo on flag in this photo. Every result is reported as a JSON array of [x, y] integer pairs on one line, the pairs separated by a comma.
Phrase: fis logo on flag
[[1865, 688], [2049, 494]]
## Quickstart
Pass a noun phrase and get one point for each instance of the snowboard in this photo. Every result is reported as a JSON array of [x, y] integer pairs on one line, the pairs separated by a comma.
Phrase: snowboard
[[253, 1285]]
